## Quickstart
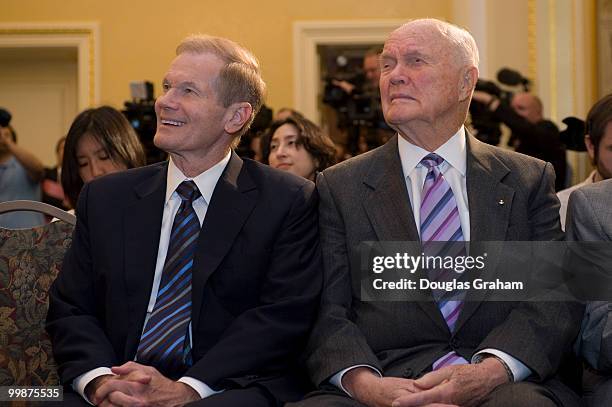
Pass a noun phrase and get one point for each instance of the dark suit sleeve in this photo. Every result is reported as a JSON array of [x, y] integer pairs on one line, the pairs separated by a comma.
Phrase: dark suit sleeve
[[264, 339], [336, 341], [582, 222], [543, 217], [79, 341], [527, 331], [594, 343]]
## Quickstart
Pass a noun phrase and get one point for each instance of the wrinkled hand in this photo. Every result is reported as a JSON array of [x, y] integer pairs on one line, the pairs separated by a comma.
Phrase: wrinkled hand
[[463, 385], [374, 391], [139, 386]]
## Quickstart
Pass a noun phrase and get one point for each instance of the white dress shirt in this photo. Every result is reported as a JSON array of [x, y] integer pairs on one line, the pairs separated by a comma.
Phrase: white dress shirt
[[454, 153], [564, 195], [206, 183]]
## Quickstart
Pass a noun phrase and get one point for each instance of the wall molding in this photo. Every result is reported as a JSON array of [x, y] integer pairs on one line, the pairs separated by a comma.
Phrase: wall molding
[[85, 37], [307, 35]]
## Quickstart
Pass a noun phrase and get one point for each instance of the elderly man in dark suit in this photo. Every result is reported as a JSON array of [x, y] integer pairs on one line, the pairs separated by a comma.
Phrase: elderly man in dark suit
[[434, 182], [589, 218], [193, 280]]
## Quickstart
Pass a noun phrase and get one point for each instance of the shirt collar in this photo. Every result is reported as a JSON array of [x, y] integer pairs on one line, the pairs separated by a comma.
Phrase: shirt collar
[[205, 181], [453, 152]]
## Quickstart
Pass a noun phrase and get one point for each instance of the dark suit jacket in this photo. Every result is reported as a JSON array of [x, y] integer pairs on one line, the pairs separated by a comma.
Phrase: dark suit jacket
[[589, 218], [365, 199], [256, 275]]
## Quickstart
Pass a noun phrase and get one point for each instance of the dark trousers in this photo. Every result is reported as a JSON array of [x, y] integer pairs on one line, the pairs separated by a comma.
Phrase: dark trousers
[[252, 397], [523, 394], [597, 389]]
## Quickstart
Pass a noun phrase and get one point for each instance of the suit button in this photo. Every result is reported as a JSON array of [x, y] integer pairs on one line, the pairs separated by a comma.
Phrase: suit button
[[454, 343], [408, 373]]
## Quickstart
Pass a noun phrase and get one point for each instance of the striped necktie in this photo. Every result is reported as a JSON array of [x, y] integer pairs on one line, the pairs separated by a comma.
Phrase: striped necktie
[[440, 222], [164, 343]]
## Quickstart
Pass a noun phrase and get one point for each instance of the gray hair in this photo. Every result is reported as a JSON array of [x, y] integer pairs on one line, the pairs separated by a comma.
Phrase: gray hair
[[465, 45], [240, 78]]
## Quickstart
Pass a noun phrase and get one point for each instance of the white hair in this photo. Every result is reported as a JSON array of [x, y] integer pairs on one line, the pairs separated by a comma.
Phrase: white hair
[[465, 44]]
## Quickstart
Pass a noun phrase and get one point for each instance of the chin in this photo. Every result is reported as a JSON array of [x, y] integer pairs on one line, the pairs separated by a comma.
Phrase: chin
[[162, 143]]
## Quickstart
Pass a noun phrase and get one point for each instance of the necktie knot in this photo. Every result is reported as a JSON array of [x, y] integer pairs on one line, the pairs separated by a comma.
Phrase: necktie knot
[[432, 160], [188, 191]]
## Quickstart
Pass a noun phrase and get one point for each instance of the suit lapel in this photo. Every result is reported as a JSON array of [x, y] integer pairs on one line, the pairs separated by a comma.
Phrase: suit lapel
[[233, 200], [490, 204], [141, 237], [388, 207], [386, 199], [490, 200]]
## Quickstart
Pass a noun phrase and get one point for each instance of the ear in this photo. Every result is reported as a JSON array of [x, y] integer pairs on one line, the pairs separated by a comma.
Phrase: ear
[[237, 115], [590, 147], [467, 82]]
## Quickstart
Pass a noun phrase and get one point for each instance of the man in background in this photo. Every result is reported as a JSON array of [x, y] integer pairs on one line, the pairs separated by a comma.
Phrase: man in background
[[531, 133], [52, 191], [589, 218], [20, 176], [598, 142]]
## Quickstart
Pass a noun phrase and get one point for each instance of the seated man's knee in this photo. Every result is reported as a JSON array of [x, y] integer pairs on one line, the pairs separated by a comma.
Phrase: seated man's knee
[[602, 395], [523, 394]]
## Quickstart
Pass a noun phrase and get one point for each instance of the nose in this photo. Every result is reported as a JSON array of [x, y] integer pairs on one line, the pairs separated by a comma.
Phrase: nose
[[166, 101], [397, 79], [280, 151], [97, 170], [398, 75]]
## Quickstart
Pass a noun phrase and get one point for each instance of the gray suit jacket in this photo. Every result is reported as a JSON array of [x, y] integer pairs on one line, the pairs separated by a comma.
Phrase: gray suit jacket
[[365, 199], [590, 218]]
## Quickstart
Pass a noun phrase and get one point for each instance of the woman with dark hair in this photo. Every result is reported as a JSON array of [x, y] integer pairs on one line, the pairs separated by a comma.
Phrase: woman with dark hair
[[100, 141], [297, 145]]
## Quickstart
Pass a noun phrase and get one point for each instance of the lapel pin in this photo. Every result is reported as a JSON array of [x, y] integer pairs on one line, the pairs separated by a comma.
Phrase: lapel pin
[[501, 202]]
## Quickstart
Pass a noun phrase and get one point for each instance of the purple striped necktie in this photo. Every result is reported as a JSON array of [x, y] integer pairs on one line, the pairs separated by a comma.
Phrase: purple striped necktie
[[440, 222], [164, 343]]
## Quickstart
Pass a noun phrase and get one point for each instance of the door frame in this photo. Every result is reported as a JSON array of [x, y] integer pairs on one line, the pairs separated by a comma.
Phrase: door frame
[[83, 36], [308, 35]]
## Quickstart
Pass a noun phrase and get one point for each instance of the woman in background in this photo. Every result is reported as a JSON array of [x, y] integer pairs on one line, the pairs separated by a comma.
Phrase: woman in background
[[297, 145], [100, 141]]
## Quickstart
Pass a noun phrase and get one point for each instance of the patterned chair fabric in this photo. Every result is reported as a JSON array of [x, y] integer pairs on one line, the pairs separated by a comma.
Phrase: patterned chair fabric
[[29, 262]]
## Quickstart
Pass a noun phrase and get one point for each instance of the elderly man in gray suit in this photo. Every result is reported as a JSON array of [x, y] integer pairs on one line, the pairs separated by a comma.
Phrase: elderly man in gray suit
[[590, 219], [424, 353]]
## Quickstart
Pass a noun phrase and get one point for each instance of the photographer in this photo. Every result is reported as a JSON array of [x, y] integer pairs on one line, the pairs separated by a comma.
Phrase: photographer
[[20, 176], [531, 133], [598, 144], [356, 99], [371, 71]]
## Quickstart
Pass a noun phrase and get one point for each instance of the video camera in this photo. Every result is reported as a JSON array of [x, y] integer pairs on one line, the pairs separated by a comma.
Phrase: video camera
[[573, 135], [487, 125], [357, 109], [5, 117], [140, 112], [488, 128]]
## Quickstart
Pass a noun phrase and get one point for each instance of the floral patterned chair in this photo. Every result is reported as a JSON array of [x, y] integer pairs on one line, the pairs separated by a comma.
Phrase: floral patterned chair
[[29, 262]]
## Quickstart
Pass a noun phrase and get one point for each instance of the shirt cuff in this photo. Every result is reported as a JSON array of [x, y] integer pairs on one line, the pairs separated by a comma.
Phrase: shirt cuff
[[83, 380], [519, 370], [336, 379], [200, 387]]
